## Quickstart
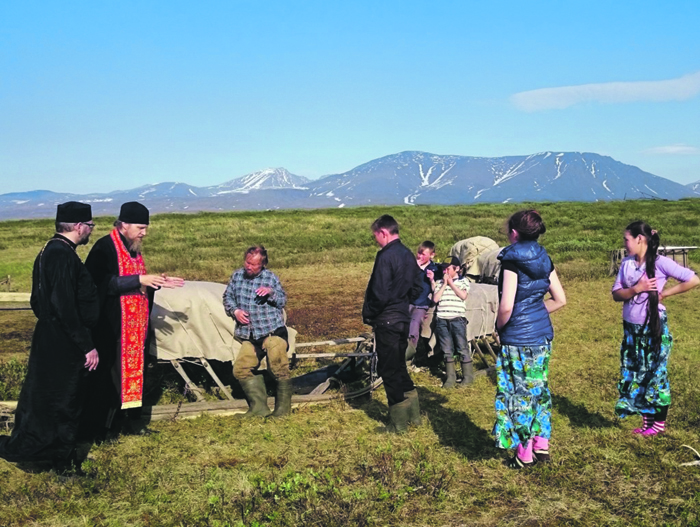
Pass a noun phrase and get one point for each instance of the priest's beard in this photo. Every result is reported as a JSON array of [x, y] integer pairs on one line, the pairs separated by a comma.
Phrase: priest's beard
[[134, 246], [84, 239]]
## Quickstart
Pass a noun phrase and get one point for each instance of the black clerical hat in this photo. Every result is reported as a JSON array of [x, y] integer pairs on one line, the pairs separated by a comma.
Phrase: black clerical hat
[[134, 212], [73, 212]]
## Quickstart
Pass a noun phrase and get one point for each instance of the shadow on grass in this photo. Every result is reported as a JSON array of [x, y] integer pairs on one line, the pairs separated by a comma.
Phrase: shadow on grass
[[375, 410], [455, 429], [579, 415]]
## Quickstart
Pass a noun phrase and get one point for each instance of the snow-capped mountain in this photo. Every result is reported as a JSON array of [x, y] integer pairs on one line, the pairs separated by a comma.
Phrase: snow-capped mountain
[[270, 178], [423, 178], [404, 178]]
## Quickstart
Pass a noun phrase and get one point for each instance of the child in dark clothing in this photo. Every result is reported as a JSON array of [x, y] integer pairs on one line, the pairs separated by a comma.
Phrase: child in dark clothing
[[418, 310]]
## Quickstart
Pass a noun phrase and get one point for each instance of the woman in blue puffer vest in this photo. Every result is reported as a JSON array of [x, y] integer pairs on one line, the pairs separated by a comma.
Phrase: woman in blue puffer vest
[[523, 402]]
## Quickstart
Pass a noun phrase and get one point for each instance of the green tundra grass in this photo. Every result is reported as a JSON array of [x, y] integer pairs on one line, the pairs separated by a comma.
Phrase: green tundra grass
[[327, 465]]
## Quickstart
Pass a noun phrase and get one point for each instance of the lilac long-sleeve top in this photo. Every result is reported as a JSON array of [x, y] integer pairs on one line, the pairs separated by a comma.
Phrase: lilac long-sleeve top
[[634, 310]]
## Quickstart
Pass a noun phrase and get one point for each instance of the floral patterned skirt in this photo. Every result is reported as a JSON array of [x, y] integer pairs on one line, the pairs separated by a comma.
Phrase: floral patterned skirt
[[523, 402], [644, 385]]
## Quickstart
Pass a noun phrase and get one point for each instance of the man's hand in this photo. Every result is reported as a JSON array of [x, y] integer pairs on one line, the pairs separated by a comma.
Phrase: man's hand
[[171, 282], [242, 316], [430, 274], [448, 279], [263, 291], [92, 359]]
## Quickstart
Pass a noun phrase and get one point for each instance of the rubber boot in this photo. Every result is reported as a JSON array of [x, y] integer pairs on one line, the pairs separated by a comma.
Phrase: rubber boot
[[451, 379], [467, 374], [399, 416], [414, 412], [254, 389], [283, 400]]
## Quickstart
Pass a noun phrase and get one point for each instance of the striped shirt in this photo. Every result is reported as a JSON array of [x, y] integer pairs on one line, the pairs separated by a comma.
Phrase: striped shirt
[[450, 305]]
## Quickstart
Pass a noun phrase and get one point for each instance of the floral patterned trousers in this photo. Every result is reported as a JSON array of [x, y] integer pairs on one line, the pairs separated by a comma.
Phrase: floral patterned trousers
[[644, 386], [523, 401]]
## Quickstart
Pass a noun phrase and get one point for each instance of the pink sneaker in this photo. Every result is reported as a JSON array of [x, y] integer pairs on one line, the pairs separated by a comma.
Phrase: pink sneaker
[[647, 423], [651, 432], [659, 427]]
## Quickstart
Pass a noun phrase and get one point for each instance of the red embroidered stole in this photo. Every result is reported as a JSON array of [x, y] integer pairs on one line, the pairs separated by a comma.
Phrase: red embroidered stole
[[134, 327]]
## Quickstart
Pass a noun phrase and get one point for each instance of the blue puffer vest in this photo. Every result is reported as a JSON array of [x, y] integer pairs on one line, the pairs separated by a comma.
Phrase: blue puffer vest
[[529, 323]]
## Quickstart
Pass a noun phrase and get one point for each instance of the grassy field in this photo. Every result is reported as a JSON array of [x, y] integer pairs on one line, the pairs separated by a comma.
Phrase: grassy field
[[326, 465]]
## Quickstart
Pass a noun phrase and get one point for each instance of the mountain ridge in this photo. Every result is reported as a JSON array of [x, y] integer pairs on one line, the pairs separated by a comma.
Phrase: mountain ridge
[[409, 178]]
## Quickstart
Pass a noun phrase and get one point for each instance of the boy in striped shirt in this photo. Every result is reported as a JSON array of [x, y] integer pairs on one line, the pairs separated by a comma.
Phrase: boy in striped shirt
[[451, 323]]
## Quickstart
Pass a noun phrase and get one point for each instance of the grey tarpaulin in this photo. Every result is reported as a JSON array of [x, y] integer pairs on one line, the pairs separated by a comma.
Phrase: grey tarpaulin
[[468, 251], [190, 322], [489, 265]]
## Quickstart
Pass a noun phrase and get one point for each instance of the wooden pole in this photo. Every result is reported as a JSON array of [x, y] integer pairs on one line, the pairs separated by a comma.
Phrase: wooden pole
[[192, 387], [224, 390]]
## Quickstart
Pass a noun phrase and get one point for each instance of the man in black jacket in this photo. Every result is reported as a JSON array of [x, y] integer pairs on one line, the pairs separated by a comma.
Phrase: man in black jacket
[[394, 284]]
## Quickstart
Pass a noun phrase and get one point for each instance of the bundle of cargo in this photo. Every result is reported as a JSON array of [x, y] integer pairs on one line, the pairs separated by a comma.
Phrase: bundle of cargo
[[478, 256]]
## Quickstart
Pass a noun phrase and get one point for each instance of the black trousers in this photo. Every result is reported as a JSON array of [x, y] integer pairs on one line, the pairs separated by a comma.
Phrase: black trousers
[[392, 341]]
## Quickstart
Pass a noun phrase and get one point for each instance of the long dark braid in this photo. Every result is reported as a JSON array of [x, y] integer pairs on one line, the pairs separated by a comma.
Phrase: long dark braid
[[635, 229]]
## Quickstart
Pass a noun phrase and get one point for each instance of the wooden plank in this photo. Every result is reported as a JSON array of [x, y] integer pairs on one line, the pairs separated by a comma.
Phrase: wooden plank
[[214, 376], [15, 297], [167, 411], [8, 406], [488, 346], [199, 406], [329, 355], [336, 342], [476, 347]]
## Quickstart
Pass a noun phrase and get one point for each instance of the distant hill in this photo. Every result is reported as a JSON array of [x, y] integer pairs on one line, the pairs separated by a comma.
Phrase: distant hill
[[405, 178]]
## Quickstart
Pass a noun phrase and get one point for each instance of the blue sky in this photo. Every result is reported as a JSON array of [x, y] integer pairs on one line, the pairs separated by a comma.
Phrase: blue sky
[[107, 95]]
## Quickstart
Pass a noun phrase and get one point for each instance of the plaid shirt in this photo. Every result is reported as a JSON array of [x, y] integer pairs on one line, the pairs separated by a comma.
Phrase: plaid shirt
[[265, 312]]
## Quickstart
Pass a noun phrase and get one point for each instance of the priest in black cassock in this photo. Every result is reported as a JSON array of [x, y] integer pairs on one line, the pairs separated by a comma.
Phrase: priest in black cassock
[[65, 302], [126, 296]]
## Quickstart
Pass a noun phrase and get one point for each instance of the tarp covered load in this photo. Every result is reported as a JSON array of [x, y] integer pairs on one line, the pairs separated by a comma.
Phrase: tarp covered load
[[468, 251], [190, 322], [489, 266], [482, 309]]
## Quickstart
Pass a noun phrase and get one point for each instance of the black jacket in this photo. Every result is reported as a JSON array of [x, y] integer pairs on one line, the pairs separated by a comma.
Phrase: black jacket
[[395, 283]]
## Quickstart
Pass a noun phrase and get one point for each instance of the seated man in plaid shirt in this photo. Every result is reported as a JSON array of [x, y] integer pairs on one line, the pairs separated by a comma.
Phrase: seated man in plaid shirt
[[255, 299]]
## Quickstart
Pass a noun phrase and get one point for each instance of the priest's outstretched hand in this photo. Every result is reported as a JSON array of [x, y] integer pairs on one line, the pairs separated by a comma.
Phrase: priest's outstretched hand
[[172, 282]]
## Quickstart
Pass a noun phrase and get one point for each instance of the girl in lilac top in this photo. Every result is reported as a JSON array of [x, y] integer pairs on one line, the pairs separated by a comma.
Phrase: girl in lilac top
[[644, 387]]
